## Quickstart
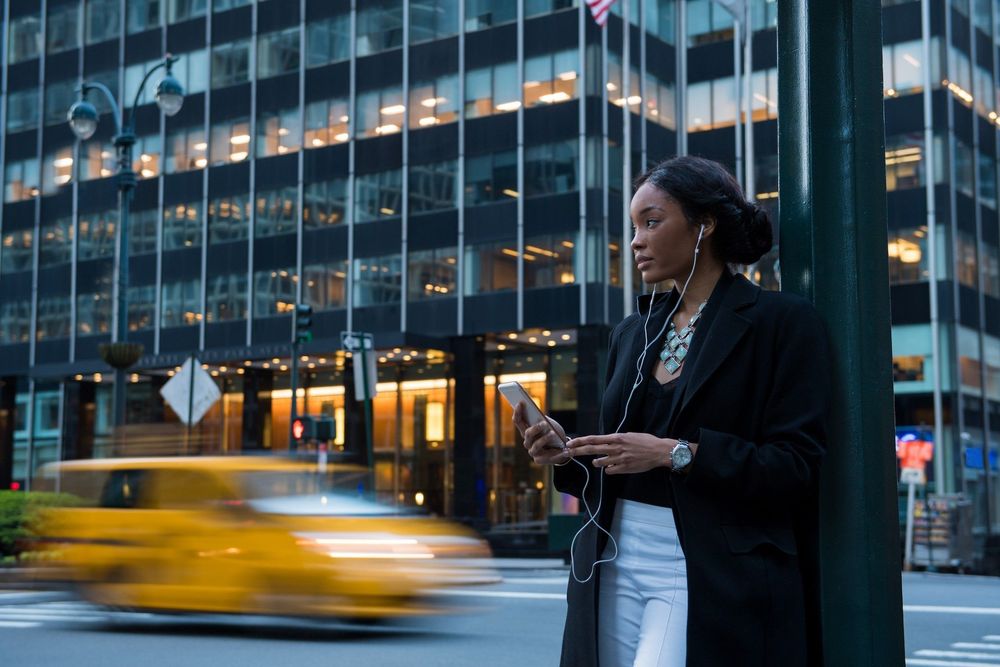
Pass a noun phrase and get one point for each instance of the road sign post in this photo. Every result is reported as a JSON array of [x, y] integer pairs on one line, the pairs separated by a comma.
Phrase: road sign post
[[363, 344]]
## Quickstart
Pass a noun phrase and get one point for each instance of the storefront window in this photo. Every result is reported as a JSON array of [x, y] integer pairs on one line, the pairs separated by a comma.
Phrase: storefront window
[[490, 267], [549, 260], [181, 305], [432, 19], [551, 78], [433, 187], [378, 196], [278, 132], [491, 90], [379, 26], [326, 123], [182, 225], [277, 212], [277, 52], [325, 203], [434, 102], [377, 280], [551, 168], [328, 40], [228, 218], [433, 273], [226, 297], [491, 177]]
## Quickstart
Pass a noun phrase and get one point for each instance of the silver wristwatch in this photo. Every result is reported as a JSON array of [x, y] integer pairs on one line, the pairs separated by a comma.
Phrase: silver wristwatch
[[681, 456]]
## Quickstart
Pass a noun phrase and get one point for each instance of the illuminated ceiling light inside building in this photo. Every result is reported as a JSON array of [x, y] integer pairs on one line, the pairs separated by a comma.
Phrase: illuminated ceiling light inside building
[[62, 179], [407, 357], [200, 162], [215, 374], [283, 367], [418, 498], [551, 343], [501, 347], [318, 142], [282, 131], [239, 371], [634, 99], [392, 109], [553, 98], [565, 336], [546, 332], [432, 102], [98, 377], [509, 106], [200, 146], [512, 336], [275, 360], [386, 211], [148, 173], [343, 136], [322, 360], [77, 377], [239, 139], [266, 365], [146, 158], [247, 363], [567, 76], [63, 162], [205, 366], [510, 193], [429, 120], [238, 157], [389, 128], [910, 59], [532, 339]]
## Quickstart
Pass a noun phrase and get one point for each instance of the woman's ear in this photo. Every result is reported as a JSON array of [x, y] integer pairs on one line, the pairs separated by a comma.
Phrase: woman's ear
[[708, 222]]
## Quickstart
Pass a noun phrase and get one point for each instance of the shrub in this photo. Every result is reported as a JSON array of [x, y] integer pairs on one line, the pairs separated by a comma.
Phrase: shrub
[[17, 512]]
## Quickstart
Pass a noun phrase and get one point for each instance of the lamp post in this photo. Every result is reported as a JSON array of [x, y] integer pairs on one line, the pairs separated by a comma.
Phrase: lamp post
[[83, 117]]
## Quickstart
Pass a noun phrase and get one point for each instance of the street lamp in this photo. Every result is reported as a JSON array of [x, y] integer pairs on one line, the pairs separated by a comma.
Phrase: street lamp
[[83, 118]]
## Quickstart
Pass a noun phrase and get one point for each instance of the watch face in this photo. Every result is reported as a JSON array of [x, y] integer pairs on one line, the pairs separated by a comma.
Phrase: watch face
[[681, 457]]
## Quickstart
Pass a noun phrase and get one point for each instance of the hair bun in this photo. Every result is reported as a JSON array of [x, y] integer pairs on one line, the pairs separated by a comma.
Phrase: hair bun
[[758, 235]]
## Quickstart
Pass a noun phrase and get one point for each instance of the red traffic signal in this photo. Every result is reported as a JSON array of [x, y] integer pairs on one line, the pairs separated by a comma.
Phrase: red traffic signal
[[298, 428]]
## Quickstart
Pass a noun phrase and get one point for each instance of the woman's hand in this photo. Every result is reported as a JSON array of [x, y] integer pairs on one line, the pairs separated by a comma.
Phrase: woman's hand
[[622, 453], [544, 442]]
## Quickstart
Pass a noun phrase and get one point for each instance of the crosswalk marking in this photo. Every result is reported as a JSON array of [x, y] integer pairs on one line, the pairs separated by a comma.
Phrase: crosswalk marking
[[933, 653], [931, 609], [995, 647], [18, 624], [921, 662], [991, 638]]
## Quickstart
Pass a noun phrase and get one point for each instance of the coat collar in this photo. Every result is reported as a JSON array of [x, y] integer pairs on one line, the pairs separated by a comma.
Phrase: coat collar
[[722, 327]]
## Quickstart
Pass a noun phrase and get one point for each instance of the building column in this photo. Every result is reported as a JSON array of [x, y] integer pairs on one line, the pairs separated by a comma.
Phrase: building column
[[355, 440], [256, 408], [8, 417], [592, 356], [78, 420], [469, 452]]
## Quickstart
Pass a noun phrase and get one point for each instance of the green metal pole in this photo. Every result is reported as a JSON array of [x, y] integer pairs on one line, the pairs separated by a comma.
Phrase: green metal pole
[[368, 416], [833, 251]]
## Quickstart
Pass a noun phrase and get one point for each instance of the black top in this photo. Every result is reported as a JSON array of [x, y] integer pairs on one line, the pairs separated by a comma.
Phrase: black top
[[653, 486]]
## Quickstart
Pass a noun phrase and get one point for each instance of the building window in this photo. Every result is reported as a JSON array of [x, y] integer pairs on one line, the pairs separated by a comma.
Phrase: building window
[[93, 310], [181, 303], [965, 260], [102, 20], [223, 5], [229, 219], [490, 267], [277, 212], [490, 178], [491, 90], [660, 15], [987, 181], [142, 15], [326, 123], [278, 132], [481, 14], [325, 204], [97, 235], [57, 170], [146, 153], [98, 160], [660, 102], [273, 292], [908, 256], [227, 297], [707, 22], [902, 67], [432, 273], [55, 242], [904, 161], [191, 70], [380, 112], [380, 26], [182, 10], [142, 231], [550, 168], [328, 40], [15, 322], [712, 104], [181, 226], [277, 52], [432, 19], [25, 38], [377, 280], [549, 260], [61, 95], [764, 95], [63, 29], [433, 187], [990, 258], [964, 168], [16, 252], [230, 141], [22, 110], [230, 63], [551, 78], [434, 102], [20, 180], [187, 149], [141, 307], [53, 317], [378, 196], [908, 368], [539, 7], [326, 285]]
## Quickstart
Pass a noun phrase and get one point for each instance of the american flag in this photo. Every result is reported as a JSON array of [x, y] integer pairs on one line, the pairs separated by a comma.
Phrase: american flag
[[599, 9]]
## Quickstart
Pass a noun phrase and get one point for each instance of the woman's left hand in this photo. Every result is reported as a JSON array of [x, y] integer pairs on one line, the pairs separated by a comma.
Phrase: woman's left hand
[[622, 453]]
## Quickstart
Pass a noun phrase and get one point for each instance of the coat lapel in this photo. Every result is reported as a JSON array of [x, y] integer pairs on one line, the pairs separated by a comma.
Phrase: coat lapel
[[709, 350], [663, 304]]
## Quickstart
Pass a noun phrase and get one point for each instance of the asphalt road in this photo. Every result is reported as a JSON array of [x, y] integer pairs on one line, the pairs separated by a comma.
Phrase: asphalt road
[[951, 621]]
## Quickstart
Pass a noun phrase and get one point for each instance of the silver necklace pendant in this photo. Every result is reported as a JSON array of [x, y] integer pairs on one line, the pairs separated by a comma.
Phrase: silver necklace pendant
[[675, 348]]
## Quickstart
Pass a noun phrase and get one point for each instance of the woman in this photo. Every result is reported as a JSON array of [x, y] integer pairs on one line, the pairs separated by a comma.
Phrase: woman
[[712, 428]]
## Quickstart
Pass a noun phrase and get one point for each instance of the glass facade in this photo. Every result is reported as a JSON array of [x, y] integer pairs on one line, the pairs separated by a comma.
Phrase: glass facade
[[443, 199]]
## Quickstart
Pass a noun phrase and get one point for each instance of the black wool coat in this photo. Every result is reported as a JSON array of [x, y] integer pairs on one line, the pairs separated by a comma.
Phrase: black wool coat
[[753, 394]]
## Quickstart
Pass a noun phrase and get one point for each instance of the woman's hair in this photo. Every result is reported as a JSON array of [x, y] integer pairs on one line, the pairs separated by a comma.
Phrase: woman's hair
[[705, 189]]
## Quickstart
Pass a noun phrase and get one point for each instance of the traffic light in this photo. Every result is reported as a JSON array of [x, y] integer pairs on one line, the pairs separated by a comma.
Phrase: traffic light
[[304, 428], [303, 322]]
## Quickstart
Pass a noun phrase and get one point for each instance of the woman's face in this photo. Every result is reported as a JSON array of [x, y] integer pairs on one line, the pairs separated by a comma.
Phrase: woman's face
[[663, 241]]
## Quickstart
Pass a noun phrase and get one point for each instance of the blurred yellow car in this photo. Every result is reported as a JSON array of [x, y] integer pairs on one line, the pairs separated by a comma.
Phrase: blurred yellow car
[[250, 535]]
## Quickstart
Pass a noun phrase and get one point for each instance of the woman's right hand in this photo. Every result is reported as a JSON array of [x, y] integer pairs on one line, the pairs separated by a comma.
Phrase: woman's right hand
[[545, 442]]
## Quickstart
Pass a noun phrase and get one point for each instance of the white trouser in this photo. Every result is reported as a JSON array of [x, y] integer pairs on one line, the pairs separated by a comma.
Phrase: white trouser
[[643, 596]]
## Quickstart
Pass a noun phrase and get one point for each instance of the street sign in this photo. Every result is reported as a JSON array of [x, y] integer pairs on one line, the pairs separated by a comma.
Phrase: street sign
[[913, 476], [365, 373], [191, 392]]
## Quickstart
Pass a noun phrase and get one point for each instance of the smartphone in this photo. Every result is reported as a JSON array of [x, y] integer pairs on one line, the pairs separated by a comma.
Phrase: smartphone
[[515, 393]]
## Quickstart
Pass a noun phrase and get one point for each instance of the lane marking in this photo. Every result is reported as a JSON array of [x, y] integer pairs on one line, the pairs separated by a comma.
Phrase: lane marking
[[931, 609], [991, 638], [949, 663], [505, 594], [18, 624], [934, 653], [539, 581], [993, 647]]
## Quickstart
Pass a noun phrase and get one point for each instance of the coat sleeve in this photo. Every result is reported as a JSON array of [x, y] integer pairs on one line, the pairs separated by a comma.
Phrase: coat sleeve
[[783, 464], [571, 478]]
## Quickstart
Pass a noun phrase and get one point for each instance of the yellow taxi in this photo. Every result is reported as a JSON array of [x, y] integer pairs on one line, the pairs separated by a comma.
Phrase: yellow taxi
[[250, 535]]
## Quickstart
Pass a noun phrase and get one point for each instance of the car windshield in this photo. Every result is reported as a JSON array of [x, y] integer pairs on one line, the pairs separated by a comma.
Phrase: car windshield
[[309, 493]]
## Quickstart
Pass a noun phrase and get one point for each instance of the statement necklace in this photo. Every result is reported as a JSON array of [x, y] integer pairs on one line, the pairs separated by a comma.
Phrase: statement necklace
[[676, 346]]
